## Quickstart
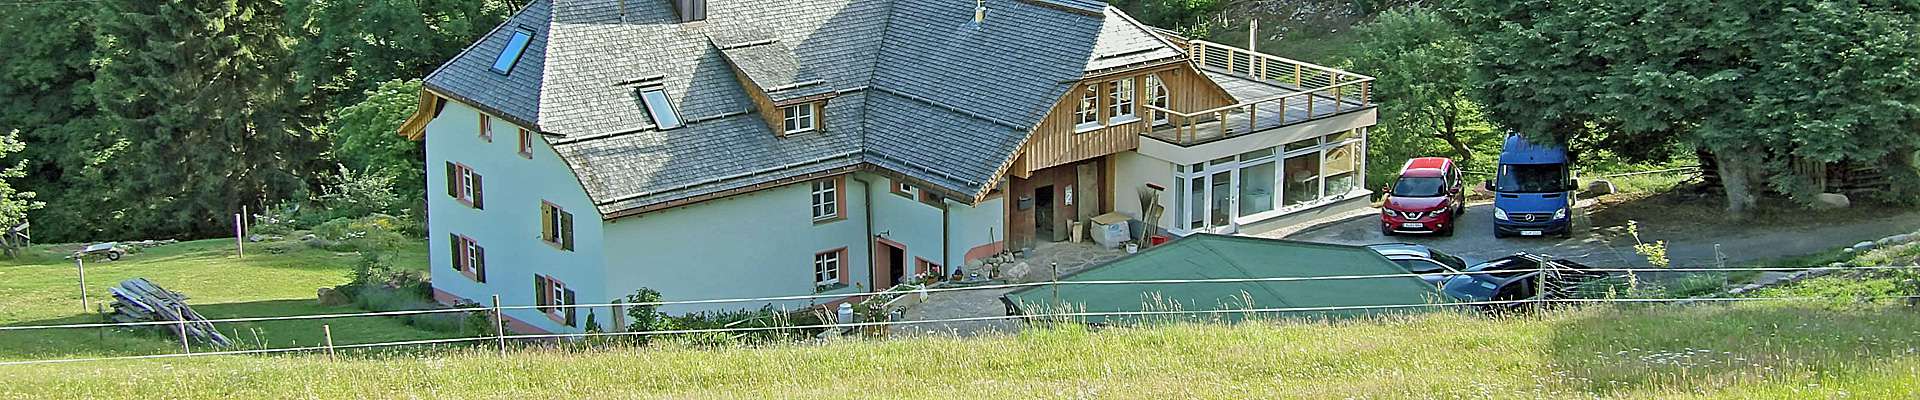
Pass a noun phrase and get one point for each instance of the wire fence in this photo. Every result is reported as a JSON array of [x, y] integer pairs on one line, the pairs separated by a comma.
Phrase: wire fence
[[501, 336]]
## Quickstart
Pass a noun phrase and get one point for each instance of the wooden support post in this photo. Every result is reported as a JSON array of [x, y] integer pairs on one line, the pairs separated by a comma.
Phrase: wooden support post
[[1310, 102], [1336, 93], [1296, 77], [327, 330], [1253, 117], [499, 327], [1222, 116]]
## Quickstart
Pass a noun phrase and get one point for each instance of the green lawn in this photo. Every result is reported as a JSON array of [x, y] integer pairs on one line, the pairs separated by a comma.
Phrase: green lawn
[[1735, 352], [274, 279]]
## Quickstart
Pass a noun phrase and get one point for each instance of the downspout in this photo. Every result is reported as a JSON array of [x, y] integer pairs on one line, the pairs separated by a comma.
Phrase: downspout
[[944, 229], [866, 189]]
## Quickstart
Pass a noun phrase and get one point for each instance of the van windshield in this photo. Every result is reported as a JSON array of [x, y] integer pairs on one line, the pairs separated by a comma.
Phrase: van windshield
[[1419, 187], [1531, 178]]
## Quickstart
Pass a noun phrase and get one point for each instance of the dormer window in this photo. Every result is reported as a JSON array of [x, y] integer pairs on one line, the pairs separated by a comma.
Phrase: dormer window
[[509, 56], [798, 118], [662, 111], [1120, 102]]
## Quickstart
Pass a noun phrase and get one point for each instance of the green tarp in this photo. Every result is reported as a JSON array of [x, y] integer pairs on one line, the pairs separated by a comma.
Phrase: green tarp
[[1205, 256]]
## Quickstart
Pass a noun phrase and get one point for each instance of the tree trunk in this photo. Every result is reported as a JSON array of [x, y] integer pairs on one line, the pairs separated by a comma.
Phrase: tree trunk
[[1459, 147], [1736, 177]]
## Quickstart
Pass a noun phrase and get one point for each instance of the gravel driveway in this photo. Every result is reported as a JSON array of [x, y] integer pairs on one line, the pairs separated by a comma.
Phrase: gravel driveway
[[1611, 247]]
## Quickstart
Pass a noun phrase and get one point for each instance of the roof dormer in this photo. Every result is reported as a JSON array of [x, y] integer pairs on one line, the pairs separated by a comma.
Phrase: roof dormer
[[791, 100]]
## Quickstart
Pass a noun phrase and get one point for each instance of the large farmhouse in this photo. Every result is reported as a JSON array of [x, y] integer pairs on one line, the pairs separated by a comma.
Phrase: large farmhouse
[[735, 148]]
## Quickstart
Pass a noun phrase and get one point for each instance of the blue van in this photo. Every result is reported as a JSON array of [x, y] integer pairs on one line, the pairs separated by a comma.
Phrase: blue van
[[1533, 190]]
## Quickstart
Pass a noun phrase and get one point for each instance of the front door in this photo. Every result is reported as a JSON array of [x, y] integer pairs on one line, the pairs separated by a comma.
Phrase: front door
[[1221, 202]]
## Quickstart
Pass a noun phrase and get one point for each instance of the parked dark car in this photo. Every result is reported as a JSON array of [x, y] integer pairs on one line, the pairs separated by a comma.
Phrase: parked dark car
[[1432, 265], [1521, 277]]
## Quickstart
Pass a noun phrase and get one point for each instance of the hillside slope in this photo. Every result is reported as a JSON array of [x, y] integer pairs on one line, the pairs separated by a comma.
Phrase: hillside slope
[[1741, 351]]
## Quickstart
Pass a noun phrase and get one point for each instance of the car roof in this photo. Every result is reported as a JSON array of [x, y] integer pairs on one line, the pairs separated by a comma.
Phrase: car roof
[[1436, 163], [1392, 250]]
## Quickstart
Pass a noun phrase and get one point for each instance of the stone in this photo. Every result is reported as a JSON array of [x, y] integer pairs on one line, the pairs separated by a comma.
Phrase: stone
[[330, 297], [1019, 270], [1862, 246], [1600, 187], [1837, 265], [1831, 201], [1896, 240]]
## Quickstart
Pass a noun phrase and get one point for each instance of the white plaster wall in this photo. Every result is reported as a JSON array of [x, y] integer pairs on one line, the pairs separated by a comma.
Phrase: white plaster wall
[[1133, 170], [509, 227], [974, 226]]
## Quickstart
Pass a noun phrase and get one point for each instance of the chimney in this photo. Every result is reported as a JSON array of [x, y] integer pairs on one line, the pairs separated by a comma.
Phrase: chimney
[[691, 10], [979, 11]]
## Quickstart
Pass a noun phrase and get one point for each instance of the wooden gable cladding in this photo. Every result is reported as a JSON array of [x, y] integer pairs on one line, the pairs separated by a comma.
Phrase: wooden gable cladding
[[1055, 141]]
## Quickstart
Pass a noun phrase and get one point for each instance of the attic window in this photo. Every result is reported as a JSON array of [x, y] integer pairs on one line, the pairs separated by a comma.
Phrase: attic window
[[511, 55], [798, 118], [664, 117]]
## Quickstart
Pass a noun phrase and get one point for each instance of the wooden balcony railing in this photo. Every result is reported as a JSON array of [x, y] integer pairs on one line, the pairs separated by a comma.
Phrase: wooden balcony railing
[[1285, 92]]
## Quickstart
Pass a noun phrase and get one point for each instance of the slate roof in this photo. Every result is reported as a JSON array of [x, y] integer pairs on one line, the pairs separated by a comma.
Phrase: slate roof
[[918, 88]]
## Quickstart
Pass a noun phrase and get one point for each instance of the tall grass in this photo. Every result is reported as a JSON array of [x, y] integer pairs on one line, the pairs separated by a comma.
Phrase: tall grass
[[1739, 351]]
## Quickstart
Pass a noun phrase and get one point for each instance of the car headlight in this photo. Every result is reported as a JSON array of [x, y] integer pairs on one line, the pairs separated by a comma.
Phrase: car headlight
[[1560, 214], [1386, 212], [1442, 210], [1500, 214]]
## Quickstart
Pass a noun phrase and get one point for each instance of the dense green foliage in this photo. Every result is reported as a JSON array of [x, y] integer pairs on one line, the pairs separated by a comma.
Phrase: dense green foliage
[[1185, 15], [14, 203], [161, 119], [197, 93], [365, 145], [1426, 107], [1761, 85]]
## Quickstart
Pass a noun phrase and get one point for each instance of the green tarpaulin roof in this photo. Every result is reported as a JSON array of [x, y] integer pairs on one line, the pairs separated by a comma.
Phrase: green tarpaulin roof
[[1206, 256]]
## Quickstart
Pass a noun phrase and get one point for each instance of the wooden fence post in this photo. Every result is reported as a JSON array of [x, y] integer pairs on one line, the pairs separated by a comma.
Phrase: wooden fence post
[[328, 331], [180, 314], [499, 327]]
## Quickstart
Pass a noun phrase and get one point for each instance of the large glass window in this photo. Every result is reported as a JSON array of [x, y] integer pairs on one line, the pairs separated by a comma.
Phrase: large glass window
[[1196, 214], [1303, 179], [1341, 164], [1256, 188]]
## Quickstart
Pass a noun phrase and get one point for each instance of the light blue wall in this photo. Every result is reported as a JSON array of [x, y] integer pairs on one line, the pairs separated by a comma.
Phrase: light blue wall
[[509, 227], [753, 245], [974, 226], [907, 221]]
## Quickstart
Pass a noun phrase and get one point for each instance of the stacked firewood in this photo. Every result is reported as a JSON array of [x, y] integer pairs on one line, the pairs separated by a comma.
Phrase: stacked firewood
[[138, 300]]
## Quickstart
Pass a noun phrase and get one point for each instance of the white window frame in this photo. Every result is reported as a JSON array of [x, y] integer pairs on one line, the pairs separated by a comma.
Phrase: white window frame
[[556, 297], [826, 202], [472, 251], [1121, 102], [798, 118], [466, 183], [1088, 111], [1158, 96], [826, 268]]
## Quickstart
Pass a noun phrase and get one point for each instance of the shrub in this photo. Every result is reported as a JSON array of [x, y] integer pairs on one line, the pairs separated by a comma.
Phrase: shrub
[[357, 194], [377, 286], [375, 233]]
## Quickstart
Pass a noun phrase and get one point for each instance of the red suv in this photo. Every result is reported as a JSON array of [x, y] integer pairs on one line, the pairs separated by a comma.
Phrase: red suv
[[1426, 199]]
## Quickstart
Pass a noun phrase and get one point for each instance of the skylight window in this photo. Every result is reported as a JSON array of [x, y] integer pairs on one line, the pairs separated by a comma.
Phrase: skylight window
[[662, 111], [511, 55]]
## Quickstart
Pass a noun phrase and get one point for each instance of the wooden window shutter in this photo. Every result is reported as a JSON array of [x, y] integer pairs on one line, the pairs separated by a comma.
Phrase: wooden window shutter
[[479, 200], [546, 222], [566, 230], [453, 180], [458, 261], [480, 266], [540, 290], [570, 310]]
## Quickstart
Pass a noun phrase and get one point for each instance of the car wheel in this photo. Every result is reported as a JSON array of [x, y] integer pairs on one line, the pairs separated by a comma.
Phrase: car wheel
[[1497, 234], [1447, 232], [1384, 231]]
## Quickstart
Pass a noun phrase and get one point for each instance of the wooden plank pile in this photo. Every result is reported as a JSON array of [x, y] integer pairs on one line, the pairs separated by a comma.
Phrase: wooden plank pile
[[138, 300]]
